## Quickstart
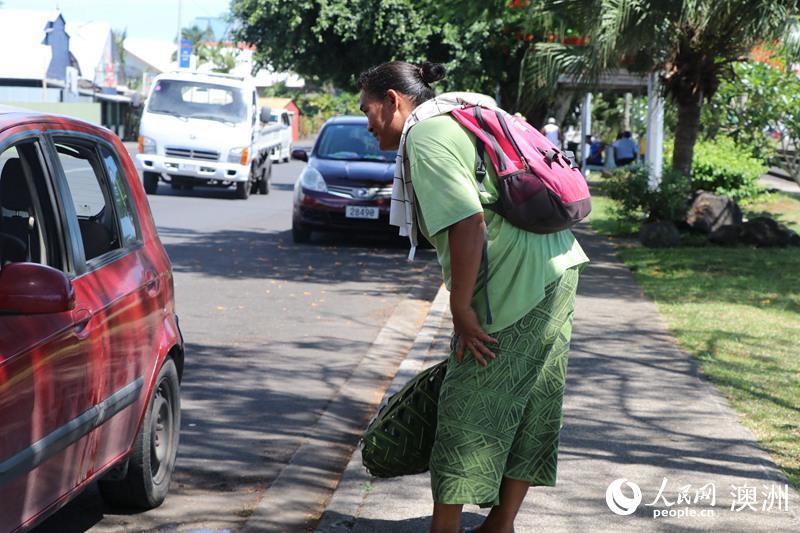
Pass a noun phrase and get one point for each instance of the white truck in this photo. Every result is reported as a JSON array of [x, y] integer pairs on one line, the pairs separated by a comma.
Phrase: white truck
[[206, 129], [280, 124]]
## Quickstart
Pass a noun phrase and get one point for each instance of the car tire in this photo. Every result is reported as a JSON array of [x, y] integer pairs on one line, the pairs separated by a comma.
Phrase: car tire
[[243, 190], [301, 234], [151, 463], [150, 182]]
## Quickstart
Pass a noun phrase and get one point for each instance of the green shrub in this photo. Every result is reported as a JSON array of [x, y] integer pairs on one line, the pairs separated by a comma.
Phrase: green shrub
[[629, 187], [723, 167]]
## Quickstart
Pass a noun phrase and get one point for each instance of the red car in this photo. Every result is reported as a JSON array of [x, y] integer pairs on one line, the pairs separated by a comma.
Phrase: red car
[[91, 354]]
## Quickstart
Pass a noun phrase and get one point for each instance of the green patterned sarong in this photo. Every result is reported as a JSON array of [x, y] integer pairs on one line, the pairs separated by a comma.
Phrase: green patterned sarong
[[505, 420]]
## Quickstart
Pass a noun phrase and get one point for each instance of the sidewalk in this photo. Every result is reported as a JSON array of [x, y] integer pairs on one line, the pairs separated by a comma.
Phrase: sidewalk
[[635, 408], [780, 181]]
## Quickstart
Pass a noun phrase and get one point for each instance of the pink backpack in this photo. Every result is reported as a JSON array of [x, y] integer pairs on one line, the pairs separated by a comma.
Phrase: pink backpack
[[540, 188]]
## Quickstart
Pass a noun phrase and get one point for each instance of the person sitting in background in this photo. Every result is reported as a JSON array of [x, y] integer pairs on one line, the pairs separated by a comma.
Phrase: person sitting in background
[[625, 150], [595, 151]]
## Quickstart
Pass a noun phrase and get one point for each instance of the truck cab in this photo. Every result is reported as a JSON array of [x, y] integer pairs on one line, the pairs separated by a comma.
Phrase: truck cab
[[204, 129]]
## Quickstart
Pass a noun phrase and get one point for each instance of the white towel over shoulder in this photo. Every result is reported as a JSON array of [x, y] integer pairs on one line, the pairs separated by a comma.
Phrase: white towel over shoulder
[[402, 211]]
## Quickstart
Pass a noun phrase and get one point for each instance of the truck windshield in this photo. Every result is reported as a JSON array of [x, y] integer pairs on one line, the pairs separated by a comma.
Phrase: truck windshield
[[352, 142], [197, 100]]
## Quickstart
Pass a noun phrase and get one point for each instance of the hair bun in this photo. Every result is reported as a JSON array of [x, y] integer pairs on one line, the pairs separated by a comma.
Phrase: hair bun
[[431, 72]]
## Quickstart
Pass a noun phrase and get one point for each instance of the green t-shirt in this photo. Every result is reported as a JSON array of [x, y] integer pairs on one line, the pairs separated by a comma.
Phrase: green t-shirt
[[441, 154]]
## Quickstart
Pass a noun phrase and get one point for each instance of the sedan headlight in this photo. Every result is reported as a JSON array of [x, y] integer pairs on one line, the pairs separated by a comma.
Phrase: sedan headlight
[[312, 180], [146, 145], [238, 155]]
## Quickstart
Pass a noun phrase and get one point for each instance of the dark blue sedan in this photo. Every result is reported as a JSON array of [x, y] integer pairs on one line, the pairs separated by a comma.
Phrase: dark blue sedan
[[347, 184]]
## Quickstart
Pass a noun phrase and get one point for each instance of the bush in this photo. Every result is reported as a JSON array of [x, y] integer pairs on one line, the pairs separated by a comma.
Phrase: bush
[[723, 167], [319, 107], [629, 187]]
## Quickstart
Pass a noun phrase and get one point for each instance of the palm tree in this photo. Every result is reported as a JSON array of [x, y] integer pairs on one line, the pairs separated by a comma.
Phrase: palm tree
[[691, 43], [197, 35], [120, 54]]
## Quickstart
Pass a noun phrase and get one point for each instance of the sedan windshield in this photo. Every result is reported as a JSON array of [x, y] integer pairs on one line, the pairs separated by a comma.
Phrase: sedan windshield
[[197, 100], [351, 142]]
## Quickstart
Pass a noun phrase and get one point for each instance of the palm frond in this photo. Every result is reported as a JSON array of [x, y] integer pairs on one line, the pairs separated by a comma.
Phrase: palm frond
[[791, 39], [545, 64]]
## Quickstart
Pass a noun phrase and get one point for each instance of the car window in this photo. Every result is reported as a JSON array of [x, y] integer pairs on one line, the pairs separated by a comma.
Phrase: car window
[[89, 195], [27, 219], [126, 214], [351, 142]]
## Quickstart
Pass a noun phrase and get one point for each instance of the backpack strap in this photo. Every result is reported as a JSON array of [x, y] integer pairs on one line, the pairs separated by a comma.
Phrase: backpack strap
[[480, 175], [485, 275], [480, 165]]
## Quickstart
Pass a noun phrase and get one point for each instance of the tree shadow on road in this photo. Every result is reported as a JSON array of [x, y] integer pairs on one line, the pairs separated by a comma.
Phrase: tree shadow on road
[[331, 259]]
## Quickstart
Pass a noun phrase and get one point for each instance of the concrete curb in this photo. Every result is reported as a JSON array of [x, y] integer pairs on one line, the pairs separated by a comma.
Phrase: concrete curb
[[295, 499], [355, 483]]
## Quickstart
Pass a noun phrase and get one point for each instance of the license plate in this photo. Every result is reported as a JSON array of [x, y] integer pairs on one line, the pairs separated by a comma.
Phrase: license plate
[[189, 168], [355, 211]]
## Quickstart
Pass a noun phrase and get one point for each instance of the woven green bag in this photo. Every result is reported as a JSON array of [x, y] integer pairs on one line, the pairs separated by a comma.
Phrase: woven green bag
[[399, 439]]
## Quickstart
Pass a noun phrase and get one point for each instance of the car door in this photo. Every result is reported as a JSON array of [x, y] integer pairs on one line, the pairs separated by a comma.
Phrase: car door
[[119, 288], [47, 361]]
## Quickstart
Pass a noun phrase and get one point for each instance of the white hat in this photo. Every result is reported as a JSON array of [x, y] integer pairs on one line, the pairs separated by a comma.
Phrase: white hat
[[551, 120]]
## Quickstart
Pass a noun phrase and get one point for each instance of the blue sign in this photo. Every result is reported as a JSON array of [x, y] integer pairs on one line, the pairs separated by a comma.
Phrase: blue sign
[[186, 53]]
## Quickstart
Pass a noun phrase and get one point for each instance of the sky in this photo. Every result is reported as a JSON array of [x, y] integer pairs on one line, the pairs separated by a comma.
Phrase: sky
[[144, 19]]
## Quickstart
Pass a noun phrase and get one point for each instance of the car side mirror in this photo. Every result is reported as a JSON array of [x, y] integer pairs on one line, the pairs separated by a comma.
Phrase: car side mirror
[[266, 113], [300, 154], [33, 289]]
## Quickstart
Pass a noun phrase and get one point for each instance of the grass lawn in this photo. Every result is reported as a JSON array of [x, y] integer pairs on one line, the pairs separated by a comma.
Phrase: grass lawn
[[737, 311]]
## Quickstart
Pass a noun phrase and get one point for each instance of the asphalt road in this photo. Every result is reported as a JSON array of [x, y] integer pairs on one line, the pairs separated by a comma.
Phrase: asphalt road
[[272, 330]]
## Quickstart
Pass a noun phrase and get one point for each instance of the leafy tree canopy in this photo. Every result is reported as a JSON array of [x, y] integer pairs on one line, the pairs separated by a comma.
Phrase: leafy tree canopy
[[481, 43], [332, 40]]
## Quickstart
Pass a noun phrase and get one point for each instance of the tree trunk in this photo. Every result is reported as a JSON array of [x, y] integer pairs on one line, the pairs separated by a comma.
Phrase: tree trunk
[[686, 132]]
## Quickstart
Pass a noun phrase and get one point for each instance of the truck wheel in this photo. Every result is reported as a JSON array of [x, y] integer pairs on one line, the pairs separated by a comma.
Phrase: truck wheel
[[152, 460], [243, 190], [266, 177], [300, 233], [150, 182]]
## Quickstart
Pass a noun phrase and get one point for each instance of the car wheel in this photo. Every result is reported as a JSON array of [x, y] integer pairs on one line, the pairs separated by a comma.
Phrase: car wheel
[[300, 233], [150, 181], [152, 460], [243, 190]]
